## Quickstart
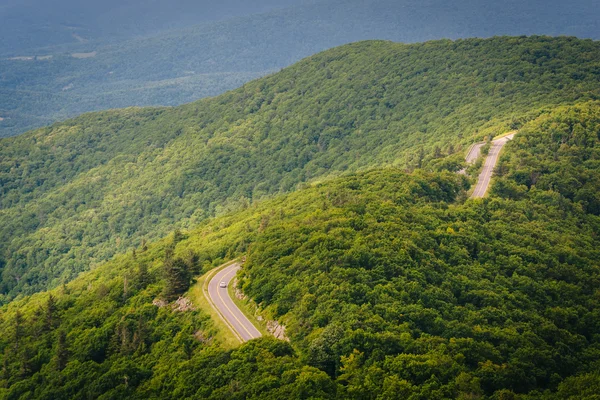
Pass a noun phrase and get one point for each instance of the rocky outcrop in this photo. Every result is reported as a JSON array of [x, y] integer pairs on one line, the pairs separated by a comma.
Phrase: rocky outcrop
[[159, 303], [202, 337], [277, 330], [182, 304], [238, 292]]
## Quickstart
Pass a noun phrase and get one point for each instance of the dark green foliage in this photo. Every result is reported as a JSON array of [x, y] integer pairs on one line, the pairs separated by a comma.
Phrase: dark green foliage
[[177, 277], [50, 314], [18, 330], [584, 387], [192, 262], [62, 352], [74, 194], [559, 153], [176, 271], [142, 277]]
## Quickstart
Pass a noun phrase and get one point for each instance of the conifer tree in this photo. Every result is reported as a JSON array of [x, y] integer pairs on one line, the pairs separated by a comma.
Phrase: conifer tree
[[50, 313], [142, 278], [125, 288], [177, 276], [62, 352], [18, 330], [177, 236], [176, 273], [5, 372], [191, 260], [26, 356]]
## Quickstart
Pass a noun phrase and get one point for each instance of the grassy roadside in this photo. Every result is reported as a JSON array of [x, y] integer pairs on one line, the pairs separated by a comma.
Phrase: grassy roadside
[[249, 309], [224, 334], [505, 134]]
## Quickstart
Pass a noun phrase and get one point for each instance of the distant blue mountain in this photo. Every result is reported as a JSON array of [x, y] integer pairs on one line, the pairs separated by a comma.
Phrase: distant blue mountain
[[136, 52], [29, 24]]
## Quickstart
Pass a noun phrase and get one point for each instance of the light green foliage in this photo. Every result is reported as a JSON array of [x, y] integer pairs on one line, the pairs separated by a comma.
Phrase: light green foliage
[[76, 193]]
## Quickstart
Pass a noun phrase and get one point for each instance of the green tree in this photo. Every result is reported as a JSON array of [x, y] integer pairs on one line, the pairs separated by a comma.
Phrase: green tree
[[19, 329], [62, 351], [177, 277], [50, 313], [142, 277]]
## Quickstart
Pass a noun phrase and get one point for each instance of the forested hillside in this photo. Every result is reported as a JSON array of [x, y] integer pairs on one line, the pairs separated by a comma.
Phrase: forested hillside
[[392, 286], [557, 152], [46, 84], [76, 193]]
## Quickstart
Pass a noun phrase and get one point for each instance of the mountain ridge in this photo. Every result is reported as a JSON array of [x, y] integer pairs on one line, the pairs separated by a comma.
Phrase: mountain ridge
[[178, 67], [141, 173]]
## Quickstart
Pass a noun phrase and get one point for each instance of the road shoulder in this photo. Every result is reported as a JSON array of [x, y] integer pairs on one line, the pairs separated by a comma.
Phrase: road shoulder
[[225, 334], [248, 308]]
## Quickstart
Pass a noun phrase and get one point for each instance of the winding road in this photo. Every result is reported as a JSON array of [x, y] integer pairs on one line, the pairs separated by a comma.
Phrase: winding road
[[490, 163], [220, 299], [244, 329]]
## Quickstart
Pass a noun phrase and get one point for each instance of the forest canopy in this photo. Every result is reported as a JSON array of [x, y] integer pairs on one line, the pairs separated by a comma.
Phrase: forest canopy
[[74, 194], [391, 285]]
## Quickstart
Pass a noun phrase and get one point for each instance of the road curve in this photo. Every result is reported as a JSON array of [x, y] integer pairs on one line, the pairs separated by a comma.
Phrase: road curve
[[483, 182], [474, 152], [220, 298]]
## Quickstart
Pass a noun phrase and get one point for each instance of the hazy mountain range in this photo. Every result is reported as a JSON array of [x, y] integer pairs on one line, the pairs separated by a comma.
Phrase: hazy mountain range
[[72, 57]]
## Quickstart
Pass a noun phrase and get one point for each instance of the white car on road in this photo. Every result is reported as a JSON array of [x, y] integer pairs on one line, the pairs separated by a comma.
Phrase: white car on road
[[223, 284]]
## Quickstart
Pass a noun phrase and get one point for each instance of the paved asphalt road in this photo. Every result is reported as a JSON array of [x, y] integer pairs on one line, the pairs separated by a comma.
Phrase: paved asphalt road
[[225, 305], [244, 328], [488, 168], [474, 153]]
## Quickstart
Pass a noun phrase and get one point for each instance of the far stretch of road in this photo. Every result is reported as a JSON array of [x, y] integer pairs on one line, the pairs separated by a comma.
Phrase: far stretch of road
[[219, 296], [490, 163]]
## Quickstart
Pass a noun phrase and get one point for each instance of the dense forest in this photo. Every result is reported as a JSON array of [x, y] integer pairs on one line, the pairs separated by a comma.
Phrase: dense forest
[[76, 193], [392, 285], [79, 56]]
